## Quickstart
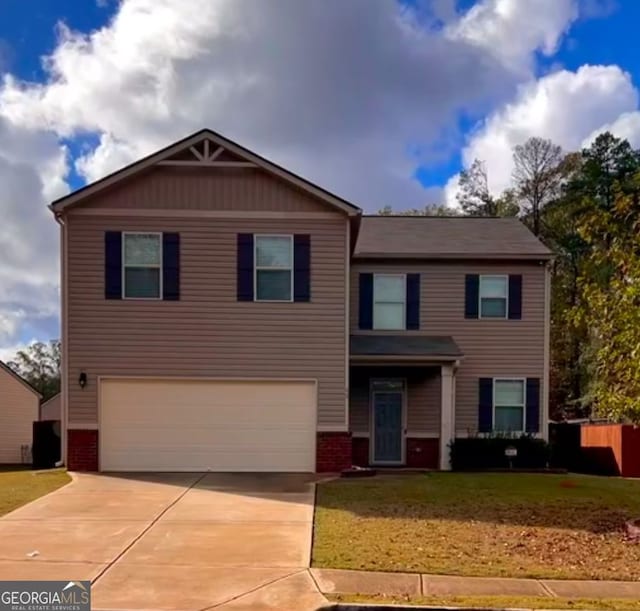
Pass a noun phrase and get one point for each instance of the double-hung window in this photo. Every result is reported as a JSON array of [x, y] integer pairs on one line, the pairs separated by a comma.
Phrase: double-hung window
[[493, 295], [389, 301], [508, 405], [273, 268], [142, 265]]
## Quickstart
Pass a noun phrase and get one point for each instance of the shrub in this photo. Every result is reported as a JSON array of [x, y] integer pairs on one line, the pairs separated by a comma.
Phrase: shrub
[[480, 453]]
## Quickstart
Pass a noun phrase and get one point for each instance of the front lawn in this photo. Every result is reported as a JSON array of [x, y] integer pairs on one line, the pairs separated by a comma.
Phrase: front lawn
[[503, 525], [19, 486]]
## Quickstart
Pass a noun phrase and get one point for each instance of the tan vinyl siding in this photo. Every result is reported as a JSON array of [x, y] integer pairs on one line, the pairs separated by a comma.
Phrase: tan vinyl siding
[[423, 397], [189, 189], [208, 333], [18, 410], [492, 348]]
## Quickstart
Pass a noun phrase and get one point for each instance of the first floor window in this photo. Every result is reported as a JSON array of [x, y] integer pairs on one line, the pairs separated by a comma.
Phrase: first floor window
[[142, 265], [389, 301], [508, 405], [493, 296], [273, 268]]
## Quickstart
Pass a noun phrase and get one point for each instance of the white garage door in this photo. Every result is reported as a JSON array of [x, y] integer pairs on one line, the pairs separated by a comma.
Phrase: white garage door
[[168, 425]]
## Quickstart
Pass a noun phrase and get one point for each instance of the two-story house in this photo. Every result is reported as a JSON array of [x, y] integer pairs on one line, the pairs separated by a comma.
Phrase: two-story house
[[221, 313]]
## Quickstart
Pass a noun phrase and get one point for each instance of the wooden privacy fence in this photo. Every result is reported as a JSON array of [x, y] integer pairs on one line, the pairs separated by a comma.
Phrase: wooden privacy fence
[[611, 449]]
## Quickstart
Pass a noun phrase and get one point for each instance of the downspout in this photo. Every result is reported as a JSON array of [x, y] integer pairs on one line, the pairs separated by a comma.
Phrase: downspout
[[64, 343]]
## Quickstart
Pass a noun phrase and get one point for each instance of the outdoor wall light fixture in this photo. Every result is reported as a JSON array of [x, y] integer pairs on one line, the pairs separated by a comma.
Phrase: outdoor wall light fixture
[[82, 380]]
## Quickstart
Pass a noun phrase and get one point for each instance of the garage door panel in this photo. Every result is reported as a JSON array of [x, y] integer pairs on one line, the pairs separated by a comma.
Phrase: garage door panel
[[207, 425]]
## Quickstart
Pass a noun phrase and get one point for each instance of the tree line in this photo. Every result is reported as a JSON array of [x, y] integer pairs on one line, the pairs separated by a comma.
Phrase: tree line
[[585, 206]]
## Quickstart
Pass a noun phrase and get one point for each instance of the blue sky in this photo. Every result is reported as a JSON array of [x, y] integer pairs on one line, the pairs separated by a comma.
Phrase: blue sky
[[603, 36], [384, 115]]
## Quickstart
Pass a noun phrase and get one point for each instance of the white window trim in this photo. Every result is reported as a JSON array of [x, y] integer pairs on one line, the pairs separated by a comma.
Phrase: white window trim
[[404, 302], [257, 267], [158, 266], [506, 302], [524, 403]]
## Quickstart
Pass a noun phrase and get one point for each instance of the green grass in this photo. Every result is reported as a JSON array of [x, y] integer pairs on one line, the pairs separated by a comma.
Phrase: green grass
[[503, 525], [19, 486], [500, 602]]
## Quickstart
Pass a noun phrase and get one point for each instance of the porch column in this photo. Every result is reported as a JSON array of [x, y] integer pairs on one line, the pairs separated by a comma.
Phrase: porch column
[[447, 415]]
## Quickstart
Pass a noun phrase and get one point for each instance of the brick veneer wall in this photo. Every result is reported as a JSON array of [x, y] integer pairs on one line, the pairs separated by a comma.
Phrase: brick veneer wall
[[333, 452], [82, 450], [423, 453]]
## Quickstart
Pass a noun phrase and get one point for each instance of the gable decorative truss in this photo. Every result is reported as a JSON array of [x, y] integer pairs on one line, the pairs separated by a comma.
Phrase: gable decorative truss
[[207, 154], [205, 149]]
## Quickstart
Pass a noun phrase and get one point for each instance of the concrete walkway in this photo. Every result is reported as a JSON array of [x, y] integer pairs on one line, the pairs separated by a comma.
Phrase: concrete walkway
[[174, 542], [334, 581]]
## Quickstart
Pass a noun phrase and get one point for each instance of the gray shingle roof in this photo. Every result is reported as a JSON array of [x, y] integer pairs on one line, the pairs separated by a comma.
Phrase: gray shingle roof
[[404, 345], [447, 237]]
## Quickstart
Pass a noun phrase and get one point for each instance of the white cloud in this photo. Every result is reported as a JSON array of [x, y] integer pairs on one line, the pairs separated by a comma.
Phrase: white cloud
[[32, 167], [626, 126], [510, 29], [566, 107], [9, 352], [341, 92]]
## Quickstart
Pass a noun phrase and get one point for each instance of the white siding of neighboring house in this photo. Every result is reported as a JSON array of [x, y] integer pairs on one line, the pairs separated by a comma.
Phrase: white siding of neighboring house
[[51, 409], [18, 409]]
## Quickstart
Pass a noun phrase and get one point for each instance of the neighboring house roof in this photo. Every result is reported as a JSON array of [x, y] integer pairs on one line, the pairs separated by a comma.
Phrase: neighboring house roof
[[187, 144], [447, 238], [379, 345], [4, 367]]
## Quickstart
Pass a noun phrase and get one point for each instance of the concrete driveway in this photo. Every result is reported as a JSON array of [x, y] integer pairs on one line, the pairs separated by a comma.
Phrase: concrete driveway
[[171, 541]]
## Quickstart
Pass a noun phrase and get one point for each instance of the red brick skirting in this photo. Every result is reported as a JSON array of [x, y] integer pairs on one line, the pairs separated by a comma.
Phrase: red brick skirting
[[82, 446], [333, 452], [423, 453]]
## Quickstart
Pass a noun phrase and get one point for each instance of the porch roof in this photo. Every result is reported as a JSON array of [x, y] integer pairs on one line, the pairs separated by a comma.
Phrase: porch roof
[[382, 347]]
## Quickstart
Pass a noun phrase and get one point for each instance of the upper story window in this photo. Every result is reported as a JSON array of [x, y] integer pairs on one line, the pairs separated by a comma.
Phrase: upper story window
[[389, 301], [142, 265], [273, 268], [493, 295], [508, 405]]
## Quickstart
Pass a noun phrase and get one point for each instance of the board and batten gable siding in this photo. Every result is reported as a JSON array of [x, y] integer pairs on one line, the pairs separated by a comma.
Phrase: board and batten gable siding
[[208, 332], [492, 348], [230, 190], [18, 410]]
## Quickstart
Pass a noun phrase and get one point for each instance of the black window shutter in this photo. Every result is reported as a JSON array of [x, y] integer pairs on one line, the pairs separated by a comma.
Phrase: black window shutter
[[113, 265], [515, 296], [485, 405], [533, 405], [471, 295], [245, 267], [413, 301], [301, 267], [366, 301], [171, 266]]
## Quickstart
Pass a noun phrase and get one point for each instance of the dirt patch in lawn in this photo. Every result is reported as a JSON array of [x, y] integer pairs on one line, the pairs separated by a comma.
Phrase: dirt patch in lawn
[[509, 525]]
